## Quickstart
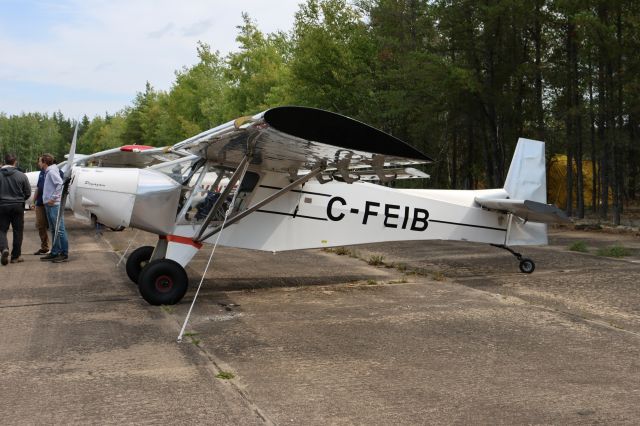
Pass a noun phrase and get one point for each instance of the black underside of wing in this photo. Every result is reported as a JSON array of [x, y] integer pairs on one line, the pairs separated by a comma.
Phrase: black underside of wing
[[334, 129]]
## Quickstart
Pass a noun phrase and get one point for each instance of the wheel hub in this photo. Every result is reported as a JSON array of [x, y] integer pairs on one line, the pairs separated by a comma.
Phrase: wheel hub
[[164, 283]]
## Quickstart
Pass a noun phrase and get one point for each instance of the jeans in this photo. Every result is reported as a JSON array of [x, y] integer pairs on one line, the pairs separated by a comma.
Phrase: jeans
[[12, 214], [60, 245]]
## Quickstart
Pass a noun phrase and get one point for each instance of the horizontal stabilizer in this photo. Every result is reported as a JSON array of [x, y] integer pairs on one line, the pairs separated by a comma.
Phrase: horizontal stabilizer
[[528, 210]]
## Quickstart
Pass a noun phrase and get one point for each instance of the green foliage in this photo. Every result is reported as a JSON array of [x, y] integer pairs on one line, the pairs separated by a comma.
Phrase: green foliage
[[195, 102], [459, 80], [614, 251], [225, 375], [579, 246], [30, 135], [256, 75], [332, 58]]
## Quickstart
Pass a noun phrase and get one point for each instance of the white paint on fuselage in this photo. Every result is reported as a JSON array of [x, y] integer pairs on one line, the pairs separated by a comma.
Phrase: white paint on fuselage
[[337, 214]]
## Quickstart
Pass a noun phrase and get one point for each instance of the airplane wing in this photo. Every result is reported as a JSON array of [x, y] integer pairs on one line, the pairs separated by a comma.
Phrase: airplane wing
[[370, 175], [288, 139], [138, 156], [528, 210]]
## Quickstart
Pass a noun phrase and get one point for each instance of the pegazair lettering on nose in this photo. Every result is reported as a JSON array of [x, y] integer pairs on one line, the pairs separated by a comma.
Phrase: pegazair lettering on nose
[[391, 213]]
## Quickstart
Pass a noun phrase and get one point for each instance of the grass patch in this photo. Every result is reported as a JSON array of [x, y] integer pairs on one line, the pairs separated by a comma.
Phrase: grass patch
[[225, 375], [372, 282], [614, 251], [376, 260], [402, 267], [192, 336], [580, 246], [166, 308], [342, 251], [438, 276]]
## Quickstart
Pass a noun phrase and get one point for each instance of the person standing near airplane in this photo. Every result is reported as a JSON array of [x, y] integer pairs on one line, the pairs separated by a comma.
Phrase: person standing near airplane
[[14, 190], [41, 214], [51, 195]]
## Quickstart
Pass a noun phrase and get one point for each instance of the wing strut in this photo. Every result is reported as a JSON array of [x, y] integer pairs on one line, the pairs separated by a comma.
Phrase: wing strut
[[237, 175], [197, 186], [319, 169], [377, 163]]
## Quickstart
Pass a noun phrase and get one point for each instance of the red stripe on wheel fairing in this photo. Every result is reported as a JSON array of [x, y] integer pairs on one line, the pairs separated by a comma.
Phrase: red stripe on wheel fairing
[[183, 240]]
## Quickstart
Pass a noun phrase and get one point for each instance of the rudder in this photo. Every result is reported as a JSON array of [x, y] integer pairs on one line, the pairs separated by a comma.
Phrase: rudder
[[527, 176]]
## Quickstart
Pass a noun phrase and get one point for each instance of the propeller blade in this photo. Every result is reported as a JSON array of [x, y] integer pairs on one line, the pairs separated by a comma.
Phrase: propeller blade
[[72, 152], [67, 170]]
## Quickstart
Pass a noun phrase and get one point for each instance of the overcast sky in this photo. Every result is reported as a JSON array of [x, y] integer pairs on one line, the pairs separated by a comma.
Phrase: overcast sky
[[92, 56]]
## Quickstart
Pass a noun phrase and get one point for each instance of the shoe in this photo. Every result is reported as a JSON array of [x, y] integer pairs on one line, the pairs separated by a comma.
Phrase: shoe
[[17, 260], [41, 251], [50, 256], [5, 257], [60, 258]]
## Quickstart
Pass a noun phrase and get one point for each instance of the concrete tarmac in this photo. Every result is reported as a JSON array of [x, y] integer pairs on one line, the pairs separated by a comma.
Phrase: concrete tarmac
[[440, 333]]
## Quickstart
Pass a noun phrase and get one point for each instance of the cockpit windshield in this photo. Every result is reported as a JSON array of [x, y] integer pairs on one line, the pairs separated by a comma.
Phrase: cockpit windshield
[[179, 170]]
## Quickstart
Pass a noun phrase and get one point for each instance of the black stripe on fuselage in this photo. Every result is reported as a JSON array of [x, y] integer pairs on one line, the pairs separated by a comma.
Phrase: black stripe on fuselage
[[292, 215], [296, 190], [468, 224]]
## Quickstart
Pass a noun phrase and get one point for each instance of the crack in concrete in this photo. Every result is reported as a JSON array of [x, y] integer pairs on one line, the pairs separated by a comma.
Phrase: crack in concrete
[[27, 305]]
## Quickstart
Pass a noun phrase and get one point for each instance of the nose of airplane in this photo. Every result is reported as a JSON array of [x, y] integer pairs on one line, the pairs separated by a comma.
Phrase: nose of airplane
[[144, 199], [156, 202]]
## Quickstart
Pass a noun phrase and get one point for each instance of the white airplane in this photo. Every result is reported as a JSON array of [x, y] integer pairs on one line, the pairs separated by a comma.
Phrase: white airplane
[[295, 182]]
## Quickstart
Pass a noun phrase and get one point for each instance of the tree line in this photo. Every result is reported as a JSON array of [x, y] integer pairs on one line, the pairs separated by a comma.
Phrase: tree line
[[460, 80]]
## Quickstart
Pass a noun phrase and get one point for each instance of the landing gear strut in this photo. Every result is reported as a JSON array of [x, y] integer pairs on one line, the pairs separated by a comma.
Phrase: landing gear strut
[[527, 265]]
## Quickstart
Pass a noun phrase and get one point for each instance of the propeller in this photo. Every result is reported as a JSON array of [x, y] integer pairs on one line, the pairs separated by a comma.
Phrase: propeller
[[67, 171]]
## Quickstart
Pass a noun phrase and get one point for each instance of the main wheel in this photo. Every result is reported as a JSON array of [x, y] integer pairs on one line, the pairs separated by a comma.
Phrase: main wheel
[[138, 260], [527, 265], [163, 282]]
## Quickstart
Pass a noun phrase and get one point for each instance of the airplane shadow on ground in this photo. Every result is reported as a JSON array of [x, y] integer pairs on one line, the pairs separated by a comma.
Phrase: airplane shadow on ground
[[239, 284]]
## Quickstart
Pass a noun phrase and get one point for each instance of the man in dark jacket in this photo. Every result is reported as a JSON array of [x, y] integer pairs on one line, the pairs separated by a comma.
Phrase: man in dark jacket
[[14, 190]]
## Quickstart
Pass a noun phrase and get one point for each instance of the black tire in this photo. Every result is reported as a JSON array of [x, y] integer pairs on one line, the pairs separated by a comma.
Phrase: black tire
[[137, 260], [527, 265], [163, 282]]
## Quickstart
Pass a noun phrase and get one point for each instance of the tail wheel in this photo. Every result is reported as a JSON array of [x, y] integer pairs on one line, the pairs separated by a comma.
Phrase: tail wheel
[[527, 265], [137, 260], [163, 282]]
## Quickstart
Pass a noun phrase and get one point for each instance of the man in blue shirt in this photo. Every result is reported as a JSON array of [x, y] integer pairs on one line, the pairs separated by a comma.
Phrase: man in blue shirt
[[51, 196], [41, 214]]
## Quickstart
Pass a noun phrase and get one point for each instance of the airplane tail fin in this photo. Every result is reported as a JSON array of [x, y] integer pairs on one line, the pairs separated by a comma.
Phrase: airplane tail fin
[[526, 196], [527, 177]]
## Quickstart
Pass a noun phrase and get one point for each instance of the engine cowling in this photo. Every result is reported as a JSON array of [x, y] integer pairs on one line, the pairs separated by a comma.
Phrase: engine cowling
[[140, 198]]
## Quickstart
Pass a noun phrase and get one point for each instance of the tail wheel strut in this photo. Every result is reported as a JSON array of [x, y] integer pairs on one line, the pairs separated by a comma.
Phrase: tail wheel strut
[[527, 265]]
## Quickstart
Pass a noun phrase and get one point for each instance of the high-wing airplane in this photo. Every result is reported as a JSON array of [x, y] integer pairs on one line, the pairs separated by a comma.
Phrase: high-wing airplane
[[295, 180]]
